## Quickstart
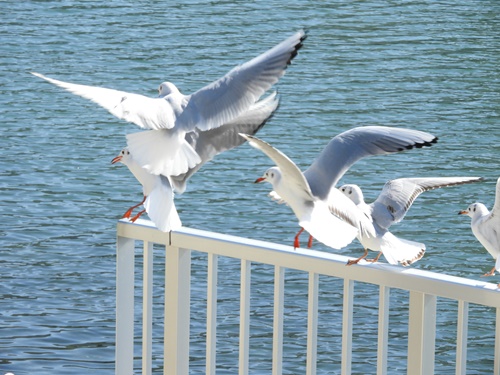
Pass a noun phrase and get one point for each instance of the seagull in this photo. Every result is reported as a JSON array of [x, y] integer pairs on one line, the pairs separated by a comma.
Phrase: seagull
[[158, 195], [486, 227], [391, 206], [163, 148], [322, 210], [158, 190]]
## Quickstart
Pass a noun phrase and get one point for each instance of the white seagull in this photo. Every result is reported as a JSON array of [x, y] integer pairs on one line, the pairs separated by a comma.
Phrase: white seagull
[[391, 206], [158, 195], [163, 149], [158, 191], [321, 208], [486, 227]]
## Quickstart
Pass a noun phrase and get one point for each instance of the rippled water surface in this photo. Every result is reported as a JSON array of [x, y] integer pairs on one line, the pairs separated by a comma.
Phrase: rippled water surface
[[428, 65]]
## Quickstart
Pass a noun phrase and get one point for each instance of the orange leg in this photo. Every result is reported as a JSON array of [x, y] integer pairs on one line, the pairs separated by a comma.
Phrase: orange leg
[[129, 211], [296, 243], [310, 242], [355, 261], [375, 259], [137, 216], [491, 273]]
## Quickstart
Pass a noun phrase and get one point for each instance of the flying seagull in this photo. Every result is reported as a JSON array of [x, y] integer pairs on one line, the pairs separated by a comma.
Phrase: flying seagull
[[163, 148]]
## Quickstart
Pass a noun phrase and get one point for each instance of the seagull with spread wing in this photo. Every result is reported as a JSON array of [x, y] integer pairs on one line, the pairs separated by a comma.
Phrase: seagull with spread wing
[[322, 210], [163, 148], [391, 206]]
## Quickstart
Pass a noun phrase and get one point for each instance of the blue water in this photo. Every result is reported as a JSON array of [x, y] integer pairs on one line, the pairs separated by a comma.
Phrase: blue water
[[428, 65]]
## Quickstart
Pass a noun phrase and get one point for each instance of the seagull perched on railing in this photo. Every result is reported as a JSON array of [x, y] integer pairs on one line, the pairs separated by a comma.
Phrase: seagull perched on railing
[[391, 206], [164, 149], [321, 208], [158, 190], [486, 227]]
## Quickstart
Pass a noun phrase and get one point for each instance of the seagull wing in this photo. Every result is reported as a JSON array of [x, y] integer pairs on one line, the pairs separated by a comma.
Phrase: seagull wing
[[352, 145], [145, 112], [230, 96], [210, 143], [496, 207], [398, 195], [289, 170]]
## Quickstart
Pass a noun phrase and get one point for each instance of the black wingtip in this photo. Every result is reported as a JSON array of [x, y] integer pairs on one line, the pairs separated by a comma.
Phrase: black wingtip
[[420, 145], [298, 46]]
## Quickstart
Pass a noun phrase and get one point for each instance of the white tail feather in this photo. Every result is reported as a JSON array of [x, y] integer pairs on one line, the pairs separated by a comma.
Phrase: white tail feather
[[161, 208], [397, 250]]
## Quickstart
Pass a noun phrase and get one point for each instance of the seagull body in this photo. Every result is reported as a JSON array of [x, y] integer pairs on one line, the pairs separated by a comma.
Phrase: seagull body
[[321, 208], [158, 190], [485, 225], [389, 208], [163, 148]]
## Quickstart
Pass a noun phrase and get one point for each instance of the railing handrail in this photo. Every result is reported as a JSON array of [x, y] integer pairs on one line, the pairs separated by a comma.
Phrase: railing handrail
[[424, 287], [441, 285]]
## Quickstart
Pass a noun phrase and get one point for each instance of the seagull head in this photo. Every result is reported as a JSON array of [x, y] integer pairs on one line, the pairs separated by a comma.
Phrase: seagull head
[[167, 88], [272, 175], [353, 192], [475, 210], [123, 157]]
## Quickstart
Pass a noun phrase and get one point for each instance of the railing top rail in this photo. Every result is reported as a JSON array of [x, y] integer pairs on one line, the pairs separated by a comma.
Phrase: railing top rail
[[442, 285]]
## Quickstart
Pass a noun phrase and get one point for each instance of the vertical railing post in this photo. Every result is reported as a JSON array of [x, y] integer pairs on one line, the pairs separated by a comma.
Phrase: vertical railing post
[[462, 333], [279, 299], [421, 333], [177, 310], [244, 316], [496, 363], [312, 323], [211, 313], [147, 309], [383, 329], [347, 313], [124, 360]]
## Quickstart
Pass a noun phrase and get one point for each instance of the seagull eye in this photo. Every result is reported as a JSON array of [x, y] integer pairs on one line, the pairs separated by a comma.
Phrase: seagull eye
[[474, 209], [350, 191]]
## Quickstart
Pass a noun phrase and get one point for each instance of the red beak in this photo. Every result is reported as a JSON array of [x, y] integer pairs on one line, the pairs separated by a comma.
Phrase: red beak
[[116, 160], [260, 179]]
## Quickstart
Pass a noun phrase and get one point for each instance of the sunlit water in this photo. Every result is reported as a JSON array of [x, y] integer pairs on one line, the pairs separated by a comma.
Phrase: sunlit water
[[427, 65]]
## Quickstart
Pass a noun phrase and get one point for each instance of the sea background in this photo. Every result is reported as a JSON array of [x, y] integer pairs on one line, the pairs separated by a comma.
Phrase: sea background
[[427, 65]]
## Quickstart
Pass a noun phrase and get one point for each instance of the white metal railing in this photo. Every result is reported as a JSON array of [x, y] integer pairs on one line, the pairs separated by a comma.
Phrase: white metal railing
[[424, 288]]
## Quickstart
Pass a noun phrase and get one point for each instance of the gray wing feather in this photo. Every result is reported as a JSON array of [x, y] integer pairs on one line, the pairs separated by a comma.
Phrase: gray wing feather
[[230, 96], [212, 142], [398, 195], [350, 146]]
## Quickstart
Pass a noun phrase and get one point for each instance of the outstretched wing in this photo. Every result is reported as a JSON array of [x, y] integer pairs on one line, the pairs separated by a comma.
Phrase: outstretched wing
[[147, 113], [289, 170], [398, 195], [230, 96], [350, 146]]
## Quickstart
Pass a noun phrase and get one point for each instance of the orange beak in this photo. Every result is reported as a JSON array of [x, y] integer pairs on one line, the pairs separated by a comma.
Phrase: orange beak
[[116, 160], [260, 179], [463, 213]]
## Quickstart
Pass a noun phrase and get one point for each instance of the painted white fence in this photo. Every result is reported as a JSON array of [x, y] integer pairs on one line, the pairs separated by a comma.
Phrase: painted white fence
[[424, 288]]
